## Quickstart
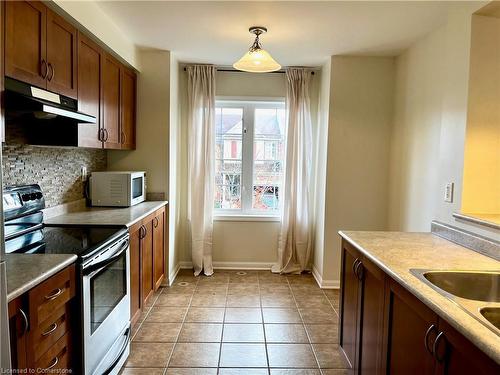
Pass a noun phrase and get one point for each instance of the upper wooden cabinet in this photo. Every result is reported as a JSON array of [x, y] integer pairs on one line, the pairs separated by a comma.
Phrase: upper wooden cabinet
[[128, 92], [90, 57], [40, 47], [111, 109]]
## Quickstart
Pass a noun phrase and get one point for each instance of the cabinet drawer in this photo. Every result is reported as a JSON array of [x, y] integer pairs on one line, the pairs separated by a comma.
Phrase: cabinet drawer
[[51, 295], [57, 357], [49, 332]]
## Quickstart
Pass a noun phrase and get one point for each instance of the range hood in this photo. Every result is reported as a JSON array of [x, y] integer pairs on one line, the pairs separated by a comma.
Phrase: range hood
[[40, 117]]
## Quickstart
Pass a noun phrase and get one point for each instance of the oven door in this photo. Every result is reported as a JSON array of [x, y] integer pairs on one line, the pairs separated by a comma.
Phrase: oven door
[[106, 308]]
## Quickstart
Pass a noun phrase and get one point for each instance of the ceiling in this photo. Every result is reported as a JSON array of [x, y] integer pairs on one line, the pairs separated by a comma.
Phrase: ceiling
[[301, 33]]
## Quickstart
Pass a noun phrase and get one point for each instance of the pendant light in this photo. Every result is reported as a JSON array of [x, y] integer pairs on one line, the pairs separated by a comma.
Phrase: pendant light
[[257, 60]]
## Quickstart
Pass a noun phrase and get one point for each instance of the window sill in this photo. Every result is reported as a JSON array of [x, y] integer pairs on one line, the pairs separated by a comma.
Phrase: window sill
[[222, 217]]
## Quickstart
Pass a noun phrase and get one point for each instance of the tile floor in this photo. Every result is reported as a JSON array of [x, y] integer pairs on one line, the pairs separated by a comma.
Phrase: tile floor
[[238, 322]]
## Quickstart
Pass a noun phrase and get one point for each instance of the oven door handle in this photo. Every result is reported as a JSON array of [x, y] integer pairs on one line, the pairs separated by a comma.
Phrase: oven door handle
[[122, 350], [94, 267]]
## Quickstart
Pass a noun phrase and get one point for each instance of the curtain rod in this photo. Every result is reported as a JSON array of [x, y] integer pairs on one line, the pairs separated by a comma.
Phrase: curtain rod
[[241, 71]]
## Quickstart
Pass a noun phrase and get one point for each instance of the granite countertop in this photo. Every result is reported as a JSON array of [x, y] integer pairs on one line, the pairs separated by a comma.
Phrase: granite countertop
[[398, 252], [125, 216], [25, 271]]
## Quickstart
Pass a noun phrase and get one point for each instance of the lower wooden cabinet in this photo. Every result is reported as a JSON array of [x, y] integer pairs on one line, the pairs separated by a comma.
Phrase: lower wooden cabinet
[[384, 329], [41, 325], [147, 259]]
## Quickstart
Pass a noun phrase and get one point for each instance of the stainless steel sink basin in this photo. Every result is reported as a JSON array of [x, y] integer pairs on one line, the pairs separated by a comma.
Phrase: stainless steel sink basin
[[479, 286], [492, 315], [475, 292]]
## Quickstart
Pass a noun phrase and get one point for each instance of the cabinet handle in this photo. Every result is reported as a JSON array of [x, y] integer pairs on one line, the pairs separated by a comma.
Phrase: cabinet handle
[[105, 131], [435, 347], [52, 328], [55, 361], [354, 265], [52, 72], [43, 69], [25, 322], [143, 232], [156, 222], [426, 338], [99, 135], [359, 270], [57, 293], [123, 137]]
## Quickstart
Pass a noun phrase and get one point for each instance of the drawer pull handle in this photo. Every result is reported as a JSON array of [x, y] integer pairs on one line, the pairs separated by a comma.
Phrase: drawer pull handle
[[55, 361], [156, 222], [54, 295], [25, 322], [435, 347], [52, 328], [426, 338]]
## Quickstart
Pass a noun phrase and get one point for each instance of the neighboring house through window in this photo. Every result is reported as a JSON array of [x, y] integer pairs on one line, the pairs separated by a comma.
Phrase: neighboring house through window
[[249, 157]]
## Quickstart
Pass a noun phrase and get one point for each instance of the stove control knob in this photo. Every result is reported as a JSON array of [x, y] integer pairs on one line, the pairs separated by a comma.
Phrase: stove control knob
[[25, 197], [39, 195], [33, 196]]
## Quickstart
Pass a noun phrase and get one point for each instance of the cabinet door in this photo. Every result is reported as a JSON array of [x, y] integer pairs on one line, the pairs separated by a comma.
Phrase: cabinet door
[[159, 247], [411, 324], [135, 272], [111, 108], [18, 329], [61, 55], [147, 260], [349, 299], [128, 109], [458, 356], [89, 90], [371, 321], [25, 41]]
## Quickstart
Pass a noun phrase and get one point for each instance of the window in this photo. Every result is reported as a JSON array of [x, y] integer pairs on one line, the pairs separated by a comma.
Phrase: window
[[249, 157]]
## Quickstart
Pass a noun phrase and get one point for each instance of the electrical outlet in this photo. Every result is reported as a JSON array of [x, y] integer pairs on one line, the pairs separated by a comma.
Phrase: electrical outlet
[[448, 192], [84, 173]]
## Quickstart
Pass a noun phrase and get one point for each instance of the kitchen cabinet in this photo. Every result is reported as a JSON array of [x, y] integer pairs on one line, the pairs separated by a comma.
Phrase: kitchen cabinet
[[41, 324], [386, 329], [90, 57], [111, 110], [147, 259], [40, 47], [127, 109]]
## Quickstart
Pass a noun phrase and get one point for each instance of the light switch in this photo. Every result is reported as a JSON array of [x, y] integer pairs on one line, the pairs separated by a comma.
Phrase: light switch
[[448, 192]]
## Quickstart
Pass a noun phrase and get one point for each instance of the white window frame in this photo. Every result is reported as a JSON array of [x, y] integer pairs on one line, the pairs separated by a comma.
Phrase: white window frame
[[247, 213]]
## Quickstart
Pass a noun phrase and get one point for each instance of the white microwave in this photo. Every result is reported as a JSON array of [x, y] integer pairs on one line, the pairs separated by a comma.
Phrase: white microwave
[[117, 189]]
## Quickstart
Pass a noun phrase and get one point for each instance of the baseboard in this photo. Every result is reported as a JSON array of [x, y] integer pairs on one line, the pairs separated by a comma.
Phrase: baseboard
[[233, 265], [324, 284], [173, 274]]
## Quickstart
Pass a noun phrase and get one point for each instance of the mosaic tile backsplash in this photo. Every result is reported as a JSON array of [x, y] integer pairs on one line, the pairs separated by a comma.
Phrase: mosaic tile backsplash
[[57, 170]]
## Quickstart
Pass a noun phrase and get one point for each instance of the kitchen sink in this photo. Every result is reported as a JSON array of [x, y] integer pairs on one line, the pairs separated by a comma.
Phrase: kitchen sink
[[492, 315], [475, 292], [480, 286]]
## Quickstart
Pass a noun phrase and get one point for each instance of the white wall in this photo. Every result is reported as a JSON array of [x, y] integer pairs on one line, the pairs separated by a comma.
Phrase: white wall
[[89, 15], [360, 118]]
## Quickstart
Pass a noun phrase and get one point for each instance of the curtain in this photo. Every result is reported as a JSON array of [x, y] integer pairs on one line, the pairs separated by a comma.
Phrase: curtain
[[201, 164], [295, 239]]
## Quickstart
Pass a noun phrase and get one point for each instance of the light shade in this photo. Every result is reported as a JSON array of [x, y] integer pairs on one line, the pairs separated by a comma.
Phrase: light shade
[[257, 61]]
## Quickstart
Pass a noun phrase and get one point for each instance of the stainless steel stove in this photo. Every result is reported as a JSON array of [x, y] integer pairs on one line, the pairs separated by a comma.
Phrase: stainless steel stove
[[104, 274]]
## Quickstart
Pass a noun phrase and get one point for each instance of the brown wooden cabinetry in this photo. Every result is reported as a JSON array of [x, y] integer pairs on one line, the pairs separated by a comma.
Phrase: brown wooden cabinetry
[[384, 329], [40, 47], [40, 322], [111, 110], [147, 259], [127, 109]]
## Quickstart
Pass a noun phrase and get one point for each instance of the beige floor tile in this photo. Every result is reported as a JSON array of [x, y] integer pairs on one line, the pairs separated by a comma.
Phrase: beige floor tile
[[311, 301], [158, 332], [243, 333], [211, 289], [323, 333], [200, 332], [278, 301], [267, 277], [173, 300], [302, 280], [295, 372], [205, 315], [216, 278], [163, 314], [275, 288], [181, 288], [324, 315], [209, 300], [286, 333], [291, 356], [195, 355], [242, 300], [245, 288], [243, 355], [149, 354], [142, 371], [279, 315], [329, 356], [306, 289], [243, 315], [243, 371], [250, 279], [191, 371]]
